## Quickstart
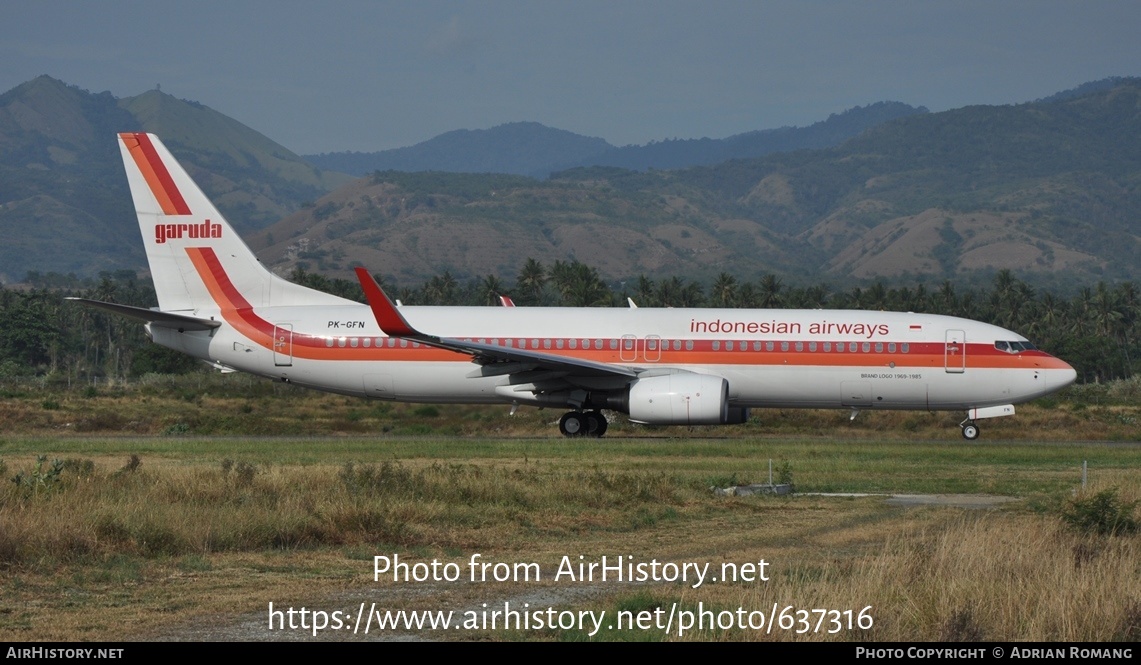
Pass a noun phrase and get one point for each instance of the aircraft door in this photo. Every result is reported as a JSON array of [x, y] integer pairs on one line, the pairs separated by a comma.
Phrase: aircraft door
[[955, 352], [283, 345], [628, 351], [653, 348]]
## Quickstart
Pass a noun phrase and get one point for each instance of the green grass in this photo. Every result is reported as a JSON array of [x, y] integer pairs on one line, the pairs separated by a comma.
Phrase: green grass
[[816, 465]]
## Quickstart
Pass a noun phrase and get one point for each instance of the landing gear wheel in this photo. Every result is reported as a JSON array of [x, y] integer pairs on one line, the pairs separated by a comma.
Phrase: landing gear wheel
[[595, 423], [572, 423], [970, 431]]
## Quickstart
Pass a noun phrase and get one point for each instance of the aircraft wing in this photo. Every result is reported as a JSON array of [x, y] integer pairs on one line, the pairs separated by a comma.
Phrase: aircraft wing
[[495, 359], [179, 322]]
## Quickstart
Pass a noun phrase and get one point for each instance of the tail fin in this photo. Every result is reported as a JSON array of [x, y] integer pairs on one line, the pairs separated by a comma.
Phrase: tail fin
[[197, 260]]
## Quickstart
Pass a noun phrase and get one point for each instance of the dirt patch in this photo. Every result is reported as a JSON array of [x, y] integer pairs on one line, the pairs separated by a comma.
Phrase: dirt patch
[[958, 500]]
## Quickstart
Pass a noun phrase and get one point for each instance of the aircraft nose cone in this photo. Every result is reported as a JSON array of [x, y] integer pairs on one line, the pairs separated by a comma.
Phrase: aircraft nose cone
[[1063, 376]]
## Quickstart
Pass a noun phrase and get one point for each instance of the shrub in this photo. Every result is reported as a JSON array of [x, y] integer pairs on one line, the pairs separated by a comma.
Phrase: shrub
[[1102, 513]]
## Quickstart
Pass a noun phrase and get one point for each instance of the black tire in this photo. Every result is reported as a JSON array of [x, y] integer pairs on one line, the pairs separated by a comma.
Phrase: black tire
[[970, 431], [572, 424], [595, 423]]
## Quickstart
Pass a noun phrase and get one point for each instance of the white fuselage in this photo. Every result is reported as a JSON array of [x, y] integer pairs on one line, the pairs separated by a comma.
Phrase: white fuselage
[[770, 358]]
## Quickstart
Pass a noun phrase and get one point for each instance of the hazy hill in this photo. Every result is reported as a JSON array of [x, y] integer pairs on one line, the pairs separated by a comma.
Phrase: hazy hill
[[683, 153], [64, 204], [1049, 189], [524, 148], [532, 149]]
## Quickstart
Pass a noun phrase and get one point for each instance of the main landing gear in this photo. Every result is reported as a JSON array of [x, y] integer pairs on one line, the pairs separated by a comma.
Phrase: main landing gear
[[583, 423], [970, 429]]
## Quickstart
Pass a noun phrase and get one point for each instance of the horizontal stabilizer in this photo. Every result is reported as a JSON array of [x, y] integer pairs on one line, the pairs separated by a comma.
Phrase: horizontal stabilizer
[[179, 322]]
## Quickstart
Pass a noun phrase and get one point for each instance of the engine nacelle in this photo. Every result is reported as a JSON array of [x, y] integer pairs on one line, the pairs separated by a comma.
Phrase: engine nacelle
[[680, 399]]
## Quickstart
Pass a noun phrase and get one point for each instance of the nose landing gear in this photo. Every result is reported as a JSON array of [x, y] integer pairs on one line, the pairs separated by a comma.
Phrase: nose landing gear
[[970, 429]]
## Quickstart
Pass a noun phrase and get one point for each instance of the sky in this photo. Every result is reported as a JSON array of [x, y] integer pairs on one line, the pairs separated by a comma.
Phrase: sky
[[373, 75]]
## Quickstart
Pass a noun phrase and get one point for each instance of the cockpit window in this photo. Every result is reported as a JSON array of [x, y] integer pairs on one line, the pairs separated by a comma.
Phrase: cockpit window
[[1014, 347]]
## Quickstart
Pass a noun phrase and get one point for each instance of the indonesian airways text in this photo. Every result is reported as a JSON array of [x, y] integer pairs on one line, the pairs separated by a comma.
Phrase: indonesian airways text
[[774, 327]]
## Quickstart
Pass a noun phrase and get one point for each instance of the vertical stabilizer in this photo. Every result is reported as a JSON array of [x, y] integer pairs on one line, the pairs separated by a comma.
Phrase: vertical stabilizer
[[190, 246]]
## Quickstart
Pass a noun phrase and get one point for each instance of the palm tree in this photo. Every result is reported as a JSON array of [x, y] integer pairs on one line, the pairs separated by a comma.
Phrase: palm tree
[[770, 296], [669, 292], [532, 277], [490, 289], [646, 296], [876, 296], [725, 290], [948, 302], [586, 288]]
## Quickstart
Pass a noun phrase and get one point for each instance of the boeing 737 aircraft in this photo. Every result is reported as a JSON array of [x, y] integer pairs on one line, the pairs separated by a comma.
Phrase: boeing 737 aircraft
[[659, 366]]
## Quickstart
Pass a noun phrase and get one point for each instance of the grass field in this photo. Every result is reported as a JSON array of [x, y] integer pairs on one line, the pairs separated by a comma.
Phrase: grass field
[[178, 536]]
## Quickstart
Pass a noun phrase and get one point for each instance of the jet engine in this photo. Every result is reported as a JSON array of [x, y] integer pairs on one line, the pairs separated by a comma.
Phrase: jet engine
[[682, 399]]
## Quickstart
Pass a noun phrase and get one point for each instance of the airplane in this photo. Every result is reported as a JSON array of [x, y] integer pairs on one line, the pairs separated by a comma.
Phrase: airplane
[[659, 366]]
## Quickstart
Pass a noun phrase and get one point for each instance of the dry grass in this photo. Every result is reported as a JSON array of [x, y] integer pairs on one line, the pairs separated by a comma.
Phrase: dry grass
[[200, 535]]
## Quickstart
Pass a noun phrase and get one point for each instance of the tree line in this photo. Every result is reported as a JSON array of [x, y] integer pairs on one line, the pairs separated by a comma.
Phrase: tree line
[[1096, 329]]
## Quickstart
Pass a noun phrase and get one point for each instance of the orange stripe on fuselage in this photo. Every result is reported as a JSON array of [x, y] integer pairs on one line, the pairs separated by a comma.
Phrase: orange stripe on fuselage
[[155, 173]]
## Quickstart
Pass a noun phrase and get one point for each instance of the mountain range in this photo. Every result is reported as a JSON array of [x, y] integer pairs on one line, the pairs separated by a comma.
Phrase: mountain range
[[531, 149], [1050, 189]]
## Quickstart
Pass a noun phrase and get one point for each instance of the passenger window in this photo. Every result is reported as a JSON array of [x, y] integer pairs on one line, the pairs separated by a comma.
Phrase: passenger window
[[853, 347], [613, 345], [812, 347], [867, 347], [784, 346], [891, 347], [827, 347], [341, 342], [879, 347], [799, 346], [756, 346], [546, 344], [328, 341], [677, 345], [689, 345], [716, 346], [353, 342], [768, 346], [558, 343], [905, 347], [367, 342]]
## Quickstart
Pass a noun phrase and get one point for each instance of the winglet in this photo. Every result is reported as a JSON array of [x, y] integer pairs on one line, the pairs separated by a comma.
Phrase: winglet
[[506, 301], [391, 321]]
